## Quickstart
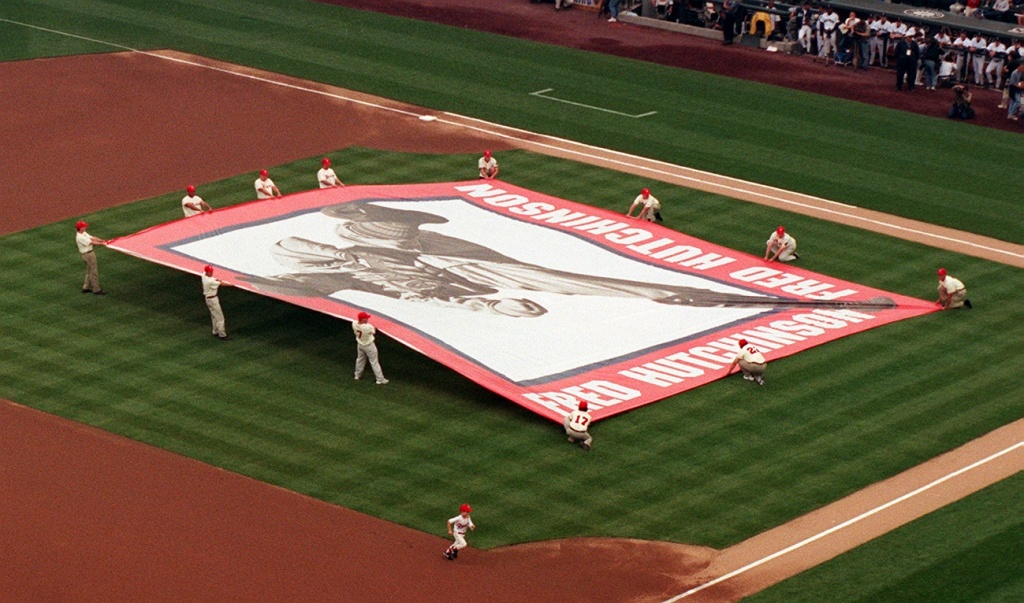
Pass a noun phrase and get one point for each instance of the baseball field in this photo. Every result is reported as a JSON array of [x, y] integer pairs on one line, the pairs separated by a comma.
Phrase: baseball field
[[167, 465]]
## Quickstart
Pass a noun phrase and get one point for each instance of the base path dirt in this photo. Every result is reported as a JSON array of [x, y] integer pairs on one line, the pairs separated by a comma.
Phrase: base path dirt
[[100, 517]]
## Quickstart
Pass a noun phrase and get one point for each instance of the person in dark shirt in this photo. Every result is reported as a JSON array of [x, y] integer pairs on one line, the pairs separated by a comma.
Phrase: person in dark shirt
[[906, 54]]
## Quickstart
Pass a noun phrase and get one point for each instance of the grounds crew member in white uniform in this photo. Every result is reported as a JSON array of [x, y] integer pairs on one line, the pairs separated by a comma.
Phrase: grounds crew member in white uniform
[[210, 292], [192, 204], [780, 246], [457, 527], [488, 166], [366, 349], [265, 187], [85, 241], [326, 176], [650, 206], [576, 424], [952, 292], [751, 362]]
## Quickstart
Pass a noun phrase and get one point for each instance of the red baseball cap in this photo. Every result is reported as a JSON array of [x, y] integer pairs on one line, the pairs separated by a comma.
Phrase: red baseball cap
[[264, 173], [742, 342], [81, 224], [465, 508], [208, 269], [780, 231], [645, 192], [583, 405], [487, 153], [363, 316], [326, 161], [942, 273], [190, 189]]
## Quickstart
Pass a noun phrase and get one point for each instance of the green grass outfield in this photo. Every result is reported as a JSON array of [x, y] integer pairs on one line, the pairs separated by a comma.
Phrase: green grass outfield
[[971, 551], [713, 466]]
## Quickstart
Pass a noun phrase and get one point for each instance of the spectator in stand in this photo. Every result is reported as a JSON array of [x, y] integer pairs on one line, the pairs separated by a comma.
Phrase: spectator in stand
[[972, 8], [979, 50], [997, 10], [931, 56], [807, 23], [996, 60], [828, 23]]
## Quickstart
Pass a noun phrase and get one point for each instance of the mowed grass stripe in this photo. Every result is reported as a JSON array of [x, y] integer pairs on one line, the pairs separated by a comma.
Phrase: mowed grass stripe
[[850, 152]]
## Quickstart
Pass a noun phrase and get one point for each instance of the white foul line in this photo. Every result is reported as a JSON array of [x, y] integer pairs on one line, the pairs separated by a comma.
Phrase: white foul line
[[542, 94], [845, 524], [628, 159]]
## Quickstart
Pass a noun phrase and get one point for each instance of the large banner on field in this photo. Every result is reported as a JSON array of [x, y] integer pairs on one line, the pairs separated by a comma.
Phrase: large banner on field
[[542, 300]]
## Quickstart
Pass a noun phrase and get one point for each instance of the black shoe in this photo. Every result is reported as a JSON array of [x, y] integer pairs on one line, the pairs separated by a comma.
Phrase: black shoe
[[86, 290], [455, 553], [100, 292], [448, 556], [796, 256], [967, 303], [223, 337], [585, 446]]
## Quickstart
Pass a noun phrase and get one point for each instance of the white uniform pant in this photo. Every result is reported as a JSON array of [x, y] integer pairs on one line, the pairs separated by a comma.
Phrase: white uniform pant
[[788, 253], [579, 436], [460, 541], [216, 316], [956, 298], [92, 272], [827, 45], [994, 71], [876, 49], [978, 63], [804, 37], [364, 353], [753, 369]]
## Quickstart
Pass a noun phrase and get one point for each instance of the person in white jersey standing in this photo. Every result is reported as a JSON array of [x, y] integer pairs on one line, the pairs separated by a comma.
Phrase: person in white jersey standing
[[366, 349], [211, 291]]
